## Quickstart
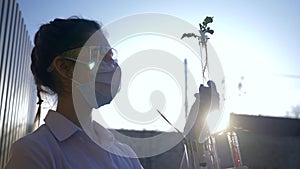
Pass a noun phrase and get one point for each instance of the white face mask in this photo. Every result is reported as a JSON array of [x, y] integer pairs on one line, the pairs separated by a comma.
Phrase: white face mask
[[107, 84]]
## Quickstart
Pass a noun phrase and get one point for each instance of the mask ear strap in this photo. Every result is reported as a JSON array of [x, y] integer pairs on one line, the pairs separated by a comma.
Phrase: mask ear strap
[[75, 81]]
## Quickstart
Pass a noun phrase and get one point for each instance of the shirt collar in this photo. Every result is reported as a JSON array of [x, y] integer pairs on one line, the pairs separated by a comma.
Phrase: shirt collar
[[60, 126], [62, 129]]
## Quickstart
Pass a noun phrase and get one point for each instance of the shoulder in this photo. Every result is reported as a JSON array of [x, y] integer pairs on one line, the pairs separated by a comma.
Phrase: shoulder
[[31, 151], [108, 139], [129, 153], [127, 150], [36, 140]]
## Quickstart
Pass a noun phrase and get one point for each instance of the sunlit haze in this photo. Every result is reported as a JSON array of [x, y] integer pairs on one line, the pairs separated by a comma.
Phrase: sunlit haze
[[257, 43]]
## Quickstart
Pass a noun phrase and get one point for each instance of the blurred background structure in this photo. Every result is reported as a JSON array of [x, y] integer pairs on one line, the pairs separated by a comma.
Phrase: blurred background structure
[[263, 142]]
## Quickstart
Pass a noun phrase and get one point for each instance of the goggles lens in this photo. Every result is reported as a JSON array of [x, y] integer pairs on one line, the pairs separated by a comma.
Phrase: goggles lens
[[97, 53]]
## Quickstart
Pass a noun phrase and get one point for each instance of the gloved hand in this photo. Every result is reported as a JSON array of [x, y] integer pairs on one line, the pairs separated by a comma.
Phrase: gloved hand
[[208, 97], [207, 100]]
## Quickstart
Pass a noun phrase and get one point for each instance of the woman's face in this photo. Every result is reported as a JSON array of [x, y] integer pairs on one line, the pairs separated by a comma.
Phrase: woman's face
[[104, 78]]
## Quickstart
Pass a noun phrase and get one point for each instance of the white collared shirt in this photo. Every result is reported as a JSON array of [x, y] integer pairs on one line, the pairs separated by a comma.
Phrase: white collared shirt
[[60, 144]]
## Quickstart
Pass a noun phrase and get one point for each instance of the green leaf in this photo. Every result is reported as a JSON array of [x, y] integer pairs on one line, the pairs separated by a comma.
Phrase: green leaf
[[208, 20], [210, 31], [200, 25], [188, 35]]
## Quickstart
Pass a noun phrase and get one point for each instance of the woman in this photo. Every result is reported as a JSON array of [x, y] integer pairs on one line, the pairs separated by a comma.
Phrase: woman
[[63, 141]]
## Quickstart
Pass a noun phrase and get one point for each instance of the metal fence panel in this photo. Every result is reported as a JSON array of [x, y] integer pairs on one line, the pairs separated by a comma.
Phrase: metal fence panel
[[16, 83]]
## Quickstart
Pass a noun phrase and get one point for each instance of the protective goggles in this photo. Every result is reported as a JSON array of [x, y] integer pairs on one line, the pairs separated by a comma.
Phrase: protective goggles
[[96, 55]]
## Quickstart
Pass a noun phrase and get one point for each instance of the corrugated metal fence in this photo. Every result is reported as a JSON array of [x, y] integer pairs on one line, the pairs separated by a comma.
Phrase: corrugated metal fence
[[16, 81]]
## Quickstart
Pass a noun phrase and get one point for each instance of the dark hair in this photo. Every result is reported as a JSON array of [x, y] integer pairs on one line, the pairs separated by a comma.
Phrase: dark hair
[[51, 40]]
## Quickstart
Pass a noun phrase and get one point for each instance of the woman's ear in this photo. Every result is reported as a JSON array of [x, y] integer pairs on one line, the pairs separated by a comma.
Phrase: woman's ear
[[63, 67]]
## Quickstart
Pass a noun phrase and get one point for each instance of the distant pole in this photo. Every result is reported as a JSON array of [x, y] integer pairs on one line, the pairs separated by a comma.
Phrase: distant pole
[[185, 85]]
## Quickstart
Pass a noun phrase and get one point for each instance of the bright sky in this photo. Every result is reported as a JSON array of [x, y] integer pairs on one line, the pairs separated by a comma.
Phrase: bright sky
[[256, 40]]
